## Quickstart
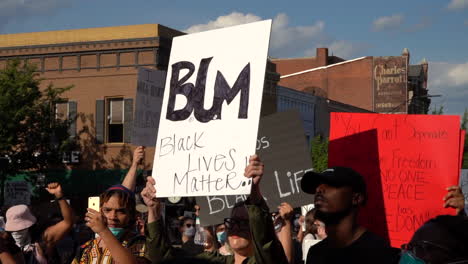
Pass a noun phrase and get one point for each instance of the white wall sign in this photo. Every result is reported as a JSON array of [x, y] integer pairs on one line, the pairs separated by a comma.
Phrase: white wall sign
[[149, 96], [210, 112]]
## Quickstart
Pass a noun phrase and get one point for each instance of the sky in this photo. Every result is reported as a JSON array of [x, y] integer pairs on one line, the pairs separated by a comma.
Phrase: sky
[[434, 30]]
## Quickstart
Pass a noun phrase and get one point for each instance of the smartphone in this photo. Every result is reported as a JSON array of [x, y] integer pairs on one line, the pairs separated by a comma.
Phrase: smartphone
[[93, 202]]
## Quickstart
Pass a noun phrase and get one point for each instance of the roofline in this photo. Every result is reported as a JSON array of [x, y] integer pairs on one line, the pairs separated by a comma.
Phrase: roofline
[[301, 58], [93, 34], [320, 68]]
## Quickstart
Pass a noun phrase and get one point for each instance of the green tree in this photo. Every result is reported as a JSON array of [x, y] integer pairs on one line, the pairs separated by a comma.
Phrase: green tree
[[438, 111], [464, 125], [31, 137], [319, 153], [464, 122]]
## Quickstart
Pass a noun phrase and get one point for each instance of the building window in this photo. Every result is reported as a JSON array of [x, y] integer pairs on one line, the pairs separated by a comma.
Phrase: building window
[[61, 111], [115, 120]]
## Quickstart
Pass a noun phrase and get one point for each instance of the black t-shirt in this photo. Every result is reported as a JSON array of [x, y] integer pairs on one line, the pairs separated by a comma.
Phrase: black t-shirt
[[368, 248], [191, 249]]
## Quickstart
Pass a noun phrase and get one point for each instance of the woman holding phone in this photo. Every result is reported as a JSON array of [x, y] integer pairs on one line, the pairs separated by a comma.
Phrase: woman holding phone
[[114, 224]]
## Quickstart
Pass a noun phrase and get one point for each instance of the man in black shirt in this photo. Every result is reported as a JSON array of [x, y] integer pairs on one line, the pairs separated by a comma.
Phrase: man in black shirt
[[339, 193]]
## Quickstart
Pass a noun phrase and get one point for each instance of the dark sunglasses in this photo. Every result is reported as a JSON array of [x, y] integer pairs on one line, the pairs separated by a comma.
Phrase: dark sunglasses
[[189, 225], [230, 223], [424, 247]]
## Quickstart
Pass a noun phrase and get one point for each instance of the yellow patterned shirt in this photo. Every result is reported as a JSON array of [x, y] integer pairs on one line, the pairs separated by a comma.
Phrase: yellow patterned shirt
[[90, 253]]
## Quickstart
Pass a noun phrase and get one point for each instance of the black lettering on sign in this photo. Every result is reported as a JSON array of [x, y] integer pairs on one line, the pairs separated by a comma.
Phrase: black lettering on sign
[[406, 220], [195, 94]]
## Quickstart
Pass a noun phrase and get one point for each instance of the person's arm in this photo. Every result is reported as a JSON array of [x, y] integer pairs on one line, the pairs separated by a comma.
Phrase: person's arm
[[267, 248], [300, 233], [7, 258], [285, 234], [455, 199], [157, 243], [117, 251], [130, 179], [56, 232]]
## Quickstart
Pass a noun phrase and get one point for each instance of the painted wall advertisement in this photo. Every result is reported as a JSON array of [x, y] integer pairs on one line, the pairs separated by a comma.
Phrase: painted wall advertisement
[[390, 84]]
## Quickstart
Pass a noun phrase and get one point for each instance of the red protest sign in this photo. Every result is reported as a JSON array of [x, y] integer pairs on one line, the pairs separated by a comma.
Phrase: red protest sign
[[407, 162]]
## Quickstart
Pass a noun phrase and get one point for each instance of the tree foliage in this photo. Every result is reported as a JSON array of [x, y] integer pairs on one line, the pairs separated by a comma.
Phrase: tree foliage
[[438, 110], [464, 125], [30, 134], [319, 153]]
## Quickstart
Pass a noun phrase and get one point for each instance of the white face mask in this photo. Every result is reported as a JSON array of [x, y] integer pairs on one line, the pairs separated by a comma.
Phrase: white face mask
[[22, 238], [189, 231]]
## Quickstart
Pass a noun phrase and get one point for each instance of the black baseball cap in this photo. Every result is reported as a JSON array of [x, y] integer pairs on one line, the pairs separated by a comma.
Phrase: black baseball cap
[[337, 177]]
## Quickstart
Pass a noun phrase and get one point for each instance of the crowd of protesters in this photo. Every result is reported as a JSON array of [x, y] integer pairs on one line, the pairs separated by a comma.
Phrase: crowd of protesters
[[330, 233]]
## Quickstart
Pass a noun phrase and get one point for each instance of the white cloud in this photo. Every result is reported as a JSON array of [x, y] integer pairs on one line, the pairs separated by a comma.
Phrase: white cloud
[[345, 49], [458, 4], [286, 40], [388, 22], [22, 9], [232, 19], [451, 81], [284, 36]]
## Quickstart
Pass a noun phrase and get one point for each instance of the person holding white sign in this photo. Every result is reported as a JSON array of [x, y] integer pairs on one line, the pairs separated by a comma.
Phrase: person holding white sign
[[251, 235]]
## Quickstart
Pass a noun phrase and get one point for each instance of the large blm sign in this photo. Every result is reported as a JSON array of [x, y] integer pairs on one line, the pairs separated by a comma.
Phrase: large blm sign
[[149, 96], [282, 146], [211, 110]]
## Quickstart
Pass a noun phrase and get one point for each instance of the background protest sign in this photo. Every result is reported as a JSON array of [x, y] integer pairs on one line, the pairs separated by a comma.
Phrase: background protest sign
[[283, 148], [149, 96], [211, 109], [408, 161], [17, 192]]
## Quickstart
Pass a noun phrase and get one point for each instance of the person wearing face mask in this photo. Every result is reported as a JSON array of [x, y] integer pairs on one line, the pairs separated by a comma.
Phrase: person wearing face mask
[[114, 226], [38, 243], [221, 236], [187, 231], [441, 240], [250, 231]]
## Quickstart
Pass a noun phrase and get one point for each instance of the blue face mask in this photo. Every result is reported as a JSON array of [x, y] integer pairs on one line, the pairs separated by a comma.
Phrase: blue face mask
[[117, 231], [221, 237], [408, 258]]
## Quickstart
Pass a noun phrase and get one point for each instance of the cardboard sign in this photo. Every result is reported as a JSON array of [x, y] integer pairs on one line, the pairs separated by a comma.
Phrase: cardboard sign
[[408, 161], [283, 148], [149, 96], [464, 186], [17, 192], [211, 109]]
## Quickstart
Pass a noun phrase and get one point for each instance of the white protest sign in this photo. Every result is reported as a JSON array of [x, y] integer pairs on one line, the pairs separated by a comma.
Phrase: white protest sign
[[211, 109], [149, 96], [17, 192]]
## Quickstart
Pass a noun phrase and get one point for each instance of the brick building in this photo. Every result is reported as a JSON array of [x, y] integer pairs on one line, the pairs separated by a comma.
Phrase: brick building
[[102, 65], [380, 84]]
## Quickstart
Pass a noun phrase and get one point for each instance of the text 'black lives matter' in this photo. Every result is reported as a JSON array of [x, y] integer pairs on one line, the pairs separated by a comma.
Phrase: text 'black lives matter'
[[195, 94]]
